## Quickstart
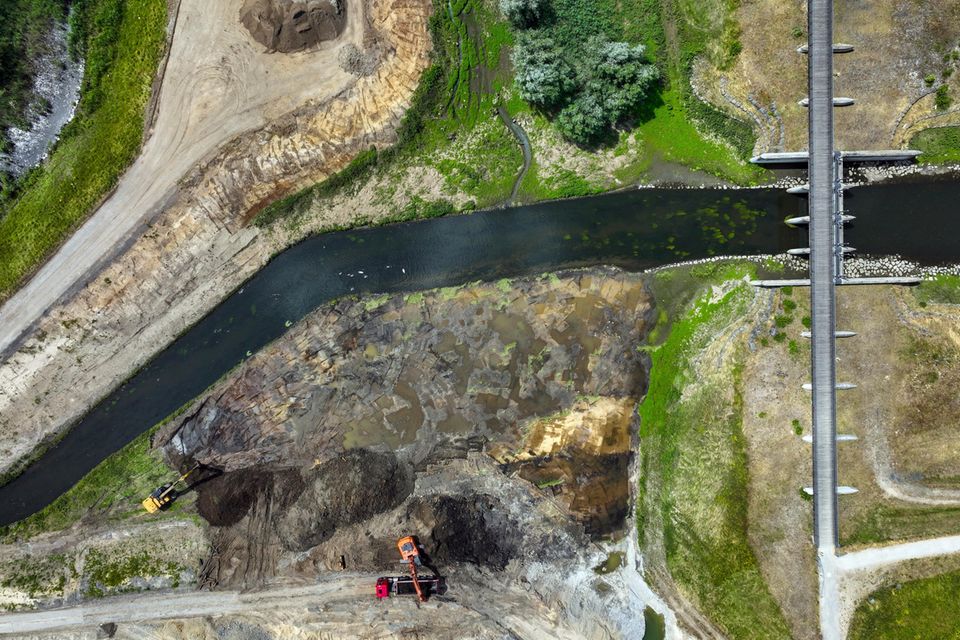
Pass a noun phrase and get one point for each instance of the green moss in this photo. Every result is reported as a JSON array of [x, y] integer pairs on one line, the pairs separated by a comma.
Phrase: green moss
[[916, 610]]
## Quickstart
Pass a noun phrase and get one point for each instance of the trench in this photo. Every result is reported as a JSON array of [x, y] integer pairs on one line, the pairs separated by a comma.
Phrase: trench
[[634, 230]]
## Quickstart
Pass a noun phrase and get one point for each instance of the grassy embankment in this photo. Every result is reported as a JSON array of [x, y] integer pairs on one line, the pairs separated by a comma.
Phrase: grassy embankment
[[451, 127], [112, 490], [122, 42], [916, 610], [940, 145], [695, 480]]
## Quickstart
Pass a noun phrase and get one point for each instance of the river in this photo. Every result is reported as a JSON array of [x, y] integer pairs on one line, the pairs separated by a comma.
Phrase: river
[[633, 230]]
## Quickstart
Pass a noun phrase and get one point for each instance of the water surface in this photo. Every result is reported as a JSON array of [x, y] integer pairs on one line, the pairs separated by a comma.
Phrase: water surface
[[633, 230]]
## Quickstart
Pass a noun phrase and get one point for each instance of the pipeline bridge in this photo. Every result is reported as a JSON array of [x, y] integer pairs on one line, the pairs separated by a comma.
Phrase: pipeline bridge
[[826, 220]]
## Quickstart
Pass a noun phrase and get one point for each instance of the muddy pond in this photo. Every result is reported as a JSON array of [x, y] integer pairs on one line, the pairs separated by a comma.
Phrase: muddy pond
[[633, 230]]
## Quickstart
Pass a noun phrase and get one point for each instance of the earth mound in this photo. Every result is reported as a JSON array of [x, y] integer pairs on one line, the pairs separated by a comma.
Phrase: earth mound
[[291, 25]]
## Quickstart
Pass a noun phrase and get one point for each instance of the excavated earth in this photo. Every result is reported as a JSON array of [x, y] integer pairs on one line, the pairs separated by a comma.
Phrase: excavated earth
[[288, 26], [345, 429], [495, 421]]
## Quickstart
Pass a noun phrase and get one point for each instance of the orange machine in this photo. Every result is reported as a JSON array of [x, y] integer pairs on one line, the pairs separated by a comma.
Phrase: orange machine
[[410, 553]]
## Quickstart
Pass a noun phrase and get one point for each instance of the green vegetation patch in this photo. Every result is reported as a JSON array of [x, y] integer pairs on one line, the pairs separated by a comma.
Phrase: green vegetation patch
[[940, 145], [112, 575], [940, 289], [889, 522], [122, 42], [916, 610], [693, 444], [41, 575], [116, 485]]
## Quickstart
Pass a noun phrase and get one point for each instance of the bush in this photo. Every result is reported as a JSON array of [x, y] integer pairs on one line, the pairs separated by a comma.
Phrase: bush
[[523, 14], [943, 100], [930, 79], [543, 76]]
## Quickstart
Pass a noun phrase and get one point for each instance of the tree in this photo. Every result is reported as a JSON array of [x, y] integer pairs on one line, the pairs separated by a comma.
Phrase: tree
[[523, 14], [543, 76], [584, 121], [620, 77]]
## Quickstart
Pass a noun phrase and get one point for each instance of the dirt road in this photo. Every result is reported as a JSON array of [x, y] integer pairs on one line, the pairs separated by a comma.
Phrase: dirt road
[[218, 83], [147, 607]]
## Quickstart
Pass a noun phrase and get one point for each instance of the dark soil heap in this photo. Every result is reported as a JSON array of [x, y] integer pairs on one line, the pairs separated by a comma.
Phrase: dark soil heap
[[288, 26]]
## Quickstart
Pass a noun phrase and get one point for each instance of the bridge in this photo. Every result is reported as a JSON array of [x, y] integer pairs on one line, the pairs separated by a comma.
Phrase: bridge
[[826, 220]]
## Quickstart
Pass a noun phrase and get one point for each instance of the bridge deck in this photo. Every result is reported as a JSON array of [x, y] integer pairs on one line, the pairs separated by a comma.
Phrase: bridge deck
[[822, 169]]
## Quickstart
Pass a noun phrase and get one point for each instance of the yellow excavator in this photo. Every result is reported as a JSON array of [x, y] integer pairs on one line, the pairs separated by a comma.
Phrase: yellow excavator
[[164, 495]]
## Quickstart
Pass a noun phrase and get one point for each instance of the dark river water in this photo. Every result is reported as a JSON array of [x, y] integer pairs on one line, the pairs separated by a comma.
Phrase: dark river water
[[633, 230]]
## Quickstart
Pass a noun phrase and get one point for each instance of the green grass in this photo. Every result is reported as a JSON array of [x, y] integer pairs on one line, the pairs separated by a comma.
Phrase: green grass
[[887, 523], [670, 135], [939, 289], [940, 145], [116, 485], [917, 610], [692, 440], [124, 43]]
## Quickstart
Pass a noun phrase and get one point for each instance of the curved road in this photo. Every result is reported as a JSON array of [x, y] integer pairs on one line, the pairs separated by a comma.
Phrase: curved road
[[218, 83]]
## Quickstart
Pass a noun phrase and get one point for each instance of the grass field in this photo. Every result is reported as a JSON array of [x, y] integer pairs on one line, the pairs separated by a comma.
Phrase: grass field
[[939, 145], [122, 41], [939, 289], [694, 468], [917, 610]]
